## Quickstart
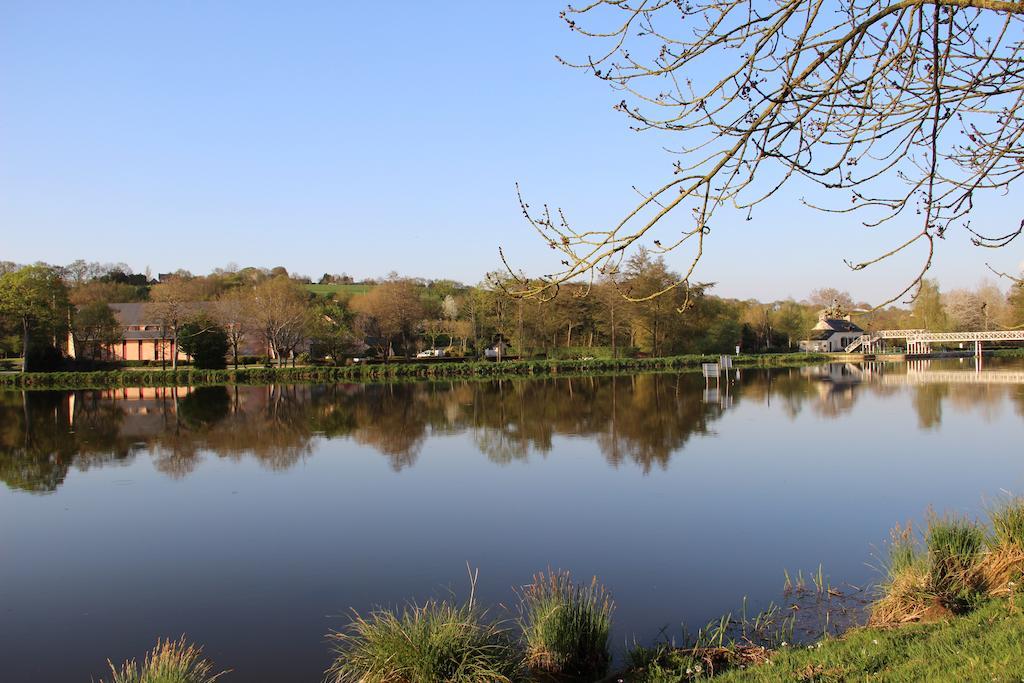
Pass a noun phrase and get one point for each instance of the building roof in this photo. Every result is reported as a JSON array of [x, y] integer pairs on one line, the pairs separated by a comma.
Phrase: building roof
[[837, 325], [141, 313], [131, 314]]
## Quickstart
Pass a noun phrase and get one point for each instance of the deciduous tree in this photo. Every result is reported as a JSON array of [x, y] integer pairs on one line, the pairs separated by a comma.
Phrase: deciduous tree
[[35, 299], [390, 312], [906, 112]]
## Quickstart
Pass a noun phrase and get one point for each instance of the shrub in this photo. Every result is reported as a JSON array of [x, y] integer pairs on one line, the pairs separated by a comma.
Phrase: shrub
[[205, 341], [566, 625], [169, 662], [436, 641]]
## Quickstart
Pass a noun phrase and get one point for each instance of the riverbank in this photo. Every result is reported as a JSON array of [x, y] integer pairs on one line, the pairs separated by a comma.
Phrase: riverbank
[[386, 372], [947, 608], [983, 645]]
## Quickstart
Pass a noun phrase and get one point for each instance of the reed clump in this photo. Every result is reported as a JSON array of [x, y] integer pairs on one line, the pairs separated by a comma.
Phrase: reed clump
[[1001, 568], [435, 641], [566, 625], [954, 548], [171, 661], [960, 563]]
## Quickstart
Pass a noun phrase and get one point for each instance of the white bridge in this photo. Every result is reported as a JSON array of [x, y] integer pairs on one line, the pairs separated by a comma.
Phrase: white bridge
[[951, 377], [920, 341]]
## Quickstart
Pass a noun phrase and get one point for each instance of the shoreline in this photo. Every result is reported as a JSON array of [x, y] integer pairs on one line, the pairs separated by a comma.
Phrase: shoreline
[[387, 372]]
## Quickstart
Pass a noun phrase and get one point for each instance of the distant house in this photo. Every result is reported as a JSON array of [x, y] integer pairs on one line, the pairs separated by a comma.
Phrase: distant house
[[832, 335], [144, 338]]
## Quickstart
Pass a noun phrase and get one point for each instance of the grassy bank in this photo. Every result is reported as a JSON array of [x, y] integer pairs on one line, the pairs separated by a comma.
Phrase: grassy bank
[[983, 645], [382, 372], [948, 609]]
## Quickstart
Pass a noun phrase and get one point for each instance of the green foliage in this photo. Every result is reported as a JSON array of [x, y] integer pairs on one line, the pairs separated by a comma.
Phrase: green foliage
[[436, 641], [953, 548], [384, 372], [169, 662], [984, 645], [94, 325], [333, 290], [34, 303], [929, 312], [205, 341], [1008, 523], [566, 625]]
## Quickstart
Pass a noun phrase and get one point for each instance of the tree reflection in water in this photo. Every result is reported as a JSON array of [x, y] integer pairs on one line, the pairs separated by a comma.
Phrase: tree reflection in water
[[642, 419]]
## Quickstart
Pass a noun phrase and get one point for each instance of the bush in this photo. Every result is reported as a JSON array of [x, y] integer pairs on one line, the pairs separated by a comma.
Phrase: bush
[[436, 641], [44, 358], [566, 625], [169, 662], [205, 342]]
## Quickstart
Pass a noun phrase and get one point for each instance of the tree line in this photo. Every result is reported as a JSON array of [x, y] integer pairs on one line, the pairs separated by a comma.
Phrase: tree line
[[213, 318]]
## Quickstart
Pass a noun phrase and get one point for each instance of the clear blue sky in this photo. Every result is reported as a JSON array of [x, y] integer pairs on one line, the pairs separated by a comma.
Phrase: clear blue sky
[[354, 137]]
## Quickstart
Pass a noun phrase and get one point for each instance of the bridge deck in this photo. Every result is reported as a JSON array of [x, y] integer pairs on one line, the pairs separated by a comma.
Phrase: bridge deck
[[993, 335]]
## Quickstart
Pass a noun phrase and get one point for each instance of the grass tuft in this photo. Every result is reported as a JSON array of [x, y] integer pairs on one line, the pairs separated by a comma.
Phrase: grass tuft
[[906, 590], [436, 641], [954, 545], [1001, 569], [566, 625], [1008, 522], [171, 661]]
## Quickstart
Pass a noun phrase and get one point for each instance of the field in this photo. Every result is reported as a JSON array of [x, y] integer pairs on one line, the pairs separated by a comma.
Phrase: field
[[331, 290]]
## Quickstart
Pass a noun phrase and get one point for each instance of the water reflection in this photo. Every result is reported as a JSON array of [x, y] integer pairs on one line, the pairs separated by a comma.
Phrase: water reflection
[[643, 419]]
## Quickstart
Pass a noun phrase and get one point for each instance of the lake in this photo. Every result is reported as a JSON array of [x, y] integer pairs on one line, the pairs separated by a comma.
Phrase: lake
[[254, 518]]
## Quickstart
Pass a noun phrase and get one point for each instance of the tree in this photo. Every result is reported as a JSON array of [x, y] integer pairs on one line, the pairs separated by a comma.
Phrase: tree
[[281, 315], [206, 342], [93, 327], [793, 321], [331, 331], [1015, 306], [928, 311], [36, 300], [173, 305], [99, 291], [835, 303], [902, 108], [645, 279], [233, 311], [965, 310], [390, 312]]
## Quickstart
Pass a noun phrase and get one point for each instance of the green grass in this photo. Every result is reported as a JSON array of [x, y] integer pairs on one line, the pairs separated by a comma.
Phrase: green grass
[[436, 641], [146, 377], [954, 546], [171, 661], [984, 645], [331, 290], [566, 625], [1008, 522]]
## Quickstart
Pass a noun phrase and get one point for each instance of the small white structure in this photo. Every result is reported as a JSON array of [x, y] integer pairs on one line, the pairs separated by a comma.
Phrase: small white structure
[[432, 353], [832, 335], [498, 351]]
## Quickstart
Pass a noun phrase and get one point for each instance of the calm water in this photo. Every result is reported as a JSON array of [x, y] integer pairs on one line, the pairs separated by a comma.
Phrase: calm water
[[254, 518]]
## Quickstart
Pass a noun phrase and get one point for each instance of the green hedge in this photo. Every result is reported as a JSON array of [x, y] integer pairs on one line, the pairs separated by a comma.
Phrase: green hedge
[[379, 372]]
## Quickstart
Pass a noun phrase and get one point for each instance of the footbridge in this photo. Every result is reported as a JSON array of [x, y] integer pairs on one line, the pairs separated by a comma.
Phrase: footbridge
[[872, 342], [919, 342]]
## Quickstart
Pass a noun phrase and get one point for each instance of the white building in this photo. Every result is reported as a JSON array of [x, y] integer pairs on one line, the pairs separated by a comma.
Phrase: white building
[[831, 335]]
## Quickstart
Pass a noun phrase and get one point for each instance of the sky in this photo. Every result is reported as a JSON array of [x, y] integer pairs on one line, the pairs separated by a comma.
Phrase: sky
[[363, 138]]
